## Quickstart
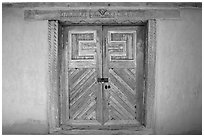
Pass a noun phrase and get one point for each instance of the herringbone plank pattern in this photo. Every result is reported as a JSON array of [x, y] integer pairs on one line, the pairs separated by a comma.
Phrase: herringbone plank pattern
[[82, 98], [122, 104]]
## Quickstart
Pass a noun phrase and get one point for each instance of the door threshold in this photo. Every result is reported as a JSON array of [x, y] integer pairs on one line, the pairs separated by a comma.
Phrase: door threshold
[[142, 131]]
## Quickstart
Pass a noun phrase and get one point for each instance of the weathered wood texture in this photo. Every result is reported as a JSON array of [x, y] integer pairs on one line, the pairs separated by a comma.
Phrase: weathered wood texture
[[85, 99], [96, 103], [101, 15], [83, 70], [105, 4], [150, 74], [53, 100], [140, 131], [82, 90], [124, 49]]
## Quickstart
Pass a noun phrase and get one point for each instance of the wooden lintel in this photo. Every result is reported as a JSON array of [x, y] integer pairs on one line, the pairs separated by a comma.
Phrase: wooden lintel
[[92, 15], [103, 4]]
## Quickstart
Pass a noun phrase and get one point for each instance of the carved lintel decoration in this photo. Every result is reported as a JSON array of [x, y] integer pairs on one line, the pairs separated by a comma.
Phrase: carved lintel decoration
[[104, 13], [101, 22], [100, 14], [73, 14]]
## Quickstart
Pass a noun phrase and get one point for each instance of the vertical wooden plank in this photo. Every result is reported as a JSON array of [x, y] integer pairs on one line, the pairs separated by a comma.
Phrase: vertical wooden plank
[[66, 74], [105, 57], [140, 73], [99, 66], [53, 101], [61, 73], [74, 51], [150, 77], [130, 47]]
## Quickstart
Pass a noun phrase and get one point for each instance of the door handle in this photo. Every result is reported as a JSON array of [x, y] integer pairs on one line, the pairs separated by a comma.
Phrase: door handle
[[107, 86]]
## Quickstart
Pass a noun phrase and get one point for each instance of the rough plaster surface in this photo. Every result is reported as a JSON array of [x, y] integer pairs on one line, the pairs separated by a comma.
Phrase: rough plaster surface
[[29, 126], [24, 73], [179, 74]]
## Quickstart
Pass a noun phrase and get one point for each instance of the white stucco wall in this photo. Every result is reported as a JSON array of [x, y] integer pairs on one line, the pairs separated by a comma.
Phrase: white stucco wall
[[178, 74], [24, 73]]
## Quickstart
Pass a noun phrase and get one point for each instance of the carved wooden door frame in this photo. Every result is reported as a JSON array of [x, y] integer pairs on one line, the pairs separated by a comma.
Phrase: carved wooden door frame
[[54, 59]]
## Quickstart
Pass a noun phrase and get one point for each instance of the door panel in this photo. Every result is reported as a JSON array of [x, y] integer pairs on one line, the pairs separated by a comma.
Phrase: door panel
[[123, 65], [116, 53], [84, 67], [121, 48], [82, 94]]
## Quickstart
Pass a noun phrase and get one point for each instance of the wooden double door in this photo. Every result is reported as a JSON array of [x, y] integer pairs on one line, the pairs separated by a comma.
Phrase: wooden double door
[[105, 77]]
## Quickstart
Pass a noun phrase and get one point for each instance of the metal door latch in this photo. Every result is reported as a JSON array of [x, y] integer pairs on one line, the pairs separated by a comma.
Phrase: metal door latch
[[102, 80]]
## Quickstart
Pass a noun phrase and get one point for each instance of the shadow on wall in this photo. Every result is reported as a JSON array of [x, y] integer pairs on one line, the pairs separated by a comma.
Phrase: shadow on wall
[[28, 127], [193, 132]]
